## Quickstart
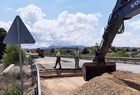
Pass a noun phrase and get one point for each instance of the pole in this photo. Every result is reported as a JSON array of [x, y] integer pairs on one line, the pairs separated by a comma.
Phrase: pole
[[20, 59]]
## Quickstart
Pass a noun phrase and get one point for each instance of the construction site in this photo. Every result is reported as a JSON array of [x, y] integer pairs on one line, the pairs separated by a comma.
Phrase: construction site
[[69, 81], [97, 74]]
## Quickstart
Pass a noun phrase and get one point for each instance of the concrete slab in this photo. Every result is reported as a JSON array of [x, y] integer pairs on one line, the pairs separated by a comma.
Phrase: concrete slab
[[49, 62]]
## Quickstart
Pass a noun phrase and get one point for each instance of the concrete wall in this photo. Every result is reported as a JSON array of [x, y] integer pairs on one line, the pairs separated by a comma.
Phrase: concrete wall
[[9, 69]]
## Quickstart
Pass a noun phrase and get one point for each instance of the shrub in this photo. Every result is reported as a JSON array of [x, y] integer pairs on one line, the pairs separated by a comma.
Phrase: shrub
[[11, 55], [112, 54], [85, 51], [122, 54], [3, 33], [14, 90]]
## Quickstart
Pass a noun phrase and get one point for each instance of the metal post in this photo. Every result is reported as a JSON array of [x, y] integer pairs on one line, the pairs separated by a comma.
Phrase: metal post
[[20, 59]]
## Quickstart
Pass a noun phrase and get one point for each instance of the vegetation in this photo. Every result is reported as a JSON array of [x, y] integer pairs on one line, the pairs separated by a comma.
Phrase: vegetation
[[14, 90], [66, 52], [10, 83], [85, 51], [113, 51], [52, 50], [11, 55], [3, 33], [90, 51]]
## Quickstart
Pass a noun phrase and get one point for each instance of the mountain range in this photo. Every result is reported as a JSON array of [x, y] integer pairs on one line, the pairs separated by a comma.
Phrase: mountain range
[[50, 47]]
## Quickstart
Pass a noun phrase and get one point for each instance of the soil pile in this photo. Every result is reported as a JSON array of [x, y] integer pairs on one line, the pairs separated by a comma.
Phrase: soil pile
[[117, 83]]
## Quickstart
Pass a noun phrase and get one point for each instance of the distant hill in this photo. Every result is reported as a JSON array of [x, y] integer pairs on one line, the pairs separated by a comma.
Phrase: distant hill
[[128, 47], [80, 47], [50, 47]]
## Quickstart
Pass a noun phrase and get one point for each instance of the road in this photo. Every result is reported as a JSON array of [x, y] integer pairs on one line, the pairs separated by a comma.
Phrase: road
[[49, 62]]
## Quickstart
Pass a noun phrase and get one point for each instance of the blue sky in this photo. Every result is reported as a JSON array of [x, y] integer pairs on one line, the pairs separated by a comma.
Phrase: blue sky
[[67, 22]]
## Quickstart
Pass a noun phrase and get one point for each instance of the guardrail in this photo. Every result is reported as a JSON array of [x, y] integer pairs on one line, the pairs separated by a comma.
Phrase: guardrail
[[115, 59], [35, 77]]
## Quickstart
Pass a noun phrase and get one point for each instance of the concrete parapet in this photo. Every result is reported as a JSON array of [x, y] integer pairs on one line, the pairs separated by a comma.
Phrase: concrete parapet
[[9, 69]]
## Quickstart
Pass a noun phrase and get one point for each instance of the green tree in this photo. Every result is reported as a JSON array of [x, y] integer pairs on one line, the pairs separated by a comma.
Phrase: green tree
[[134, 49], [93, 48], [52, 50], [121, 49], [85, 51], [127, 49], [113, 48], [68, 51], [11, 55], [3, 33], [122, 54]]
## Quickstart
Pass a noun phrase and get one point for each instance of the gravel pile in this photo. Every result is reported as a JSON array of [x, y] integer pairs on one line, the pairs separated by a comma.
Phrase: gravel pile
[[117, 83]]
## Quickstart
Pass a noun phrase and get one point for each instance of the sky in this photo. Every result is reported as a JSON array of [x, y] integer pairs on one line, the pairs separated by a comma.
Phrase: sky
[[67, 22]]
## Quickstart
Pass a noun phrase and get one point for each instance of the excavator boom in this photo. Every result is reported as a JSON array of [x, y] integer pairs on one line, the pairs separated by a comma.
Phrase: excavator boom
[[123, 10]]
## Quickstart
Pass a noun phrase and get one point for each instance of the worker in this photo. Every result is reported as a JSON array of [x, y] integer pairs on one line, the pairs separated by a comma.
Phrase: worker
[[76, 56], [57, 59]]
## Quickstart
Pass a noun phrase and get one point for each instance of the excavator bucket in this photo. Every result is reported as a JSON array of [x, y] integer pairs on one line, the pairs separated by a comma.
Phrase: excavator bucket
[[90, 69]]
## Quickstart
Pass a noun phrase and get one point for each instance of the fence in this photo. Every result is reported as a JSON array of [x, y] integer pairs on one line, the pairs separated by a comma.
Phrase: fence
[[35, 77]]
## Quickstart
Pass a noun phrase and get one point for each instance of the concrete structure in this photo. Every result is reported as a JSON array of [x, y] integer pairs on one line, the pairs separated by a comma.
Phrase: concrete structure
[[49, 62]]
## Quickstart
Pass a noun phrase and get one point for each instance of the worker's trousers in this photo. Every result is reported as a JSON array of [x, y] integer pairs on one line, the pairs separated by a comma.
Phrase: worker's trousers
[[58, 61], [76, 61]]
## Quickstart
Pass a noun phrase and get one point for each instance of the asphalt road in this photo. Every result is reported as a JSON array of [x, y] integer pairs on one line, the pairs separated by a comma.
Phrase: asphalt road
[[49, 62]]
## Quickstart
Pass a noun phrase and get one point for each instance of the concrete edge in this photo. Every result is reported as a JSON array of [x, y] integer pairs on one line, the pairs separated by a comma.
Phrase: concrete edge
[[9, 69]]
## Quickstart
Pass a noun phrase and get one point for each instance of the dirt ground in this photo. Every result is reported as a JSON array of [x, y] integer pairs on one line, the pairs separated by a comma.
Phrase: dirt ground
[[116, 83], [60, 86]]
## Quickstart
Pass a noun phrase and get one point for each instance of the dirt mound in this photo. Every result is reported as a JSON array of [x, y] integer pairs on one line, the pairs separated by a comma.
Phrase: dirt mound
[[117, 83]]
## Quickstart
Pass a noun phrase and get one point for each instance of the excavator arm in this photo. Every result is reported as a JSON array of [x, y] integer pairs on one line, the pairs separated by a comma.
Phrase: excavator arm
[[123, 10]]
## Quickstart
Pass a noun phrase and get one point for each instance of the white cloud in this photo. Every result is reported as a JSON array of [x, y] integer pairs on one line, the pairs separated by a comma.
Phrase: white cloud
[[124, 40], [66, 29], [134, 24], [102, 31], [31, 13], [9, 9], [5, 25], [69, 29]]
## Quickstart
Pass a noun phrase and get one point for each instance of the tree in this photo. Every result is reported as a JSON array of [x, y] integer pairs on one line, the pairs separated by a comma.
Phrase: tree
[[11, 55], [122, 54], [127, 49], [121, 49], [134, 49], [3, 33], [85, 51], [68, 51], [52, 50], [113, 48]]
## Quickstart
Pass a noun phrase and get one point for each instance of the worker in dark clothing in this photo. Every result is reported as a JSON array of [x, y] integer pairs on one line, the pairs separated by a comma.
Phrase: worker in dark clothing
[[57, 60]]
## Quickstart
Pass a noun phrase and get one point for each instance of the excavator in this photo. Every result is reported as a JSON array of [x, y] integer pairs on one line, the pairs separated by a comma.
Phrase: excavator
[[123, 10]]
